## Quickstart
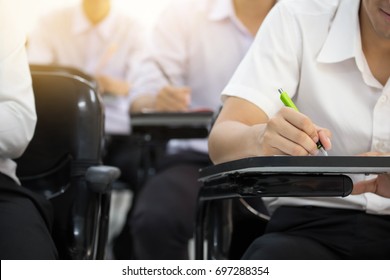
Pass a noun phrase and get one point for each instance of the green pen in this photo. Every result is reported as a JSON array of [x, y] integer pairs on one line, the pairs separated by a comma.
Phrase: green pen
[[289, 103]]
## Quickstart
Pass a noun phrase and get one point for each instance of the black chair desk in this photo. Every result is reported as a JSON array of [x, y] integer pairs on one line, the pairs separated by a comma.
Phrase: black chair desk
[[63, 163], [153, 130], [275, 176], [157, 128], [166, 126]]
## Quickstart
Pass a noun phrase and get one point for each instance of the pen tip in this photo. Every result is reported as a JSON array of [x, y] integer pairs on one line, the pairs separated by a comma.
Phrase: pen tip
[[324, 152], [280, 90]]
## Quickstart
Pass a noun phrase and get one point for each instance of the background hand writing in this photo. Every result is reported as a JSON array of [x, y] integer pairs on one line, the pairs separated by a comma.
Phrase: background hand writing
[[173, 99]]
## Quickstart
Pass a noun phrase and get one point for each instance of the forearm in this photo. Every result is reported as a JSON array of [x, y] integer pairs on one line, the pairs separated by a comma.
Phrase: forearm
[[143, 103], [231, 140], [113, 86], [168, 99]]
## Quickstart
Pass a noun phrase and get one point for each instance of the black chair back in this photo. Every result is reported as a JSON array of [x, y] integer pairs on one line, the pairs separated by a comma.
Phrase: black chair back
[[57, 68], [68, 141]]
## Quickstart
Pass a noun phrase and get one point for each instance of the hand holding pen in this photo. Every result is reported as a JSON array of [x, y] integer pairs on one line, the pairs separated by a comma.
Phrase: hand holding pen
[[172, 98], [306, 128]]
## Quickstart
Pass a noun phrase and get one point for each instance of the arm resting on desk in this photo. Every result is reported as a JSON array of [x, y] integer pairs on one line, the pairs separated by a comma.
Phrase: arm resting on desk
[[142, 103], [168, 99]]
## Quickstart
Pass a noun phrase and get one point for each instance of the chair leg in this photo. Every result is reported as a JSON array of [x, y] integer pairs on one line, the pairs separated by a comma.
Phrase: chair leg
[[103, 226], [220, 225], [213, 217], [201, 214]]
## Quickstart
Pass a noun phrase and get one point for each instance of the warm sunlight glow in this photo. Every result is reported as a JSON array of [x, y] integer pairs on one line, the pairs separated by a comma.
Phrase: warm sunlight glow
[[144, 10]]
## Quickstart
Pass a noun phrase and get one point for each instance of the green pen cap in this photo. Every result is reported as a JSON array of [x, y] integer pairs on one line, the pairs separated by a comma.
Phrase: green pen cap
[[287, 100]]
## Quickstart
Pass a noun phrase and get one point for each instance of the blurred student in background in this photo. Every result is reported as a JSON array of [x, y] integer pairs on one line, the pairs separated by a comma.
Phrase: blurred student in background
[[25, 217], [196, 46], [105, 43]]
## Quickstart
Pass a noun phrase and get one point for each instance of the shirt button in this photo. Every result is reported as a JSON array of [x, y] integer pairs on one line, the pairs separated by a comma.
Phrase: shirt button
[[383, 99], [380, 146]]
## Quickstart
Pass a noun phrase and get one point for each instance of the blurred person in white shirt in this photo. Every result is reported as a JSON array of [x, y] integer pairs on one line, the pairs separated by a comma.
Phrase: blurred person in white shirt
[[94, 36], [25, 217], [196, 46]]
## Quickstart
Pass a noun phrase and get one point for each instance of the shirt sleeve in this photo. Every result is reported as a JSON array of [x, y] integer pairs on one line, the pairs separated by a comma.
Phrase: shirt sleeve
[[272, 62], [39, 48], [166, 49], [17, 107]]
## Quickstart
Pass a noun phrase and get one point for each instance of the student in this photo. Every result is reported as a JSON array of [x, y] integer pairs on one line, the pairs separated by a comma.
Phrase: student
[[105, 43], [25, 218], [196, 44], [333, 58]]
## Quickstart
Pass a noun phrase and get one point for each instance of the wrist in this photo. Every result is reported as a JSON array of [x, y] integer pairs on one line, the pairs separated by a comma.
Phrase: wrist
[[258, 131]]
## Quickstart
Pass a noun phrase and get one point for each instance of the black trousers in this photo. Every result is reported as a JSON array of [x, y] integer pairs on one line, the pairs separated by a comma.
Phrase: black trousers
[[25, 223], [322, 233], [124, 152], [163, 218]]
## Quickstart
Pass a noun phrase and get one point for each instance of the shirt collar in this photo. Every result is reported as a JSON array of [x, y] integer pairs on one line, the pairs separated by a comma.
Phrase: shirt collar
[[222, 9], [344, 36], [81, 23]]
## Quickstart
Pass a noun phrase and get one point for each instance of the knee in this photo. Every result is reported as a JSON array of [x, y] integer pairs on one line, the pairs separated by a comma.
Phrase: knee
[[261, 248], [146, 222], [279, 246]]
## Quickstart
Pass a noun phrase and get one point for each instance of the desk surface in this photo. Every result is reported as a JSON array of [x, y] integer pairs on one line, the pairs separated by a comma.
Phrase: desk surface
[[166, 126], [171, 119], [300, 165]]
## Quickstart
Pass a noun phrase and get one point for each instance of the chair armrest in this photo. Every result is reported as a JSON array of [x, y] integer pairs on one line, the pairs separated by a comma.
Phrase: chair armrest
[[100, 178], [92, 204]]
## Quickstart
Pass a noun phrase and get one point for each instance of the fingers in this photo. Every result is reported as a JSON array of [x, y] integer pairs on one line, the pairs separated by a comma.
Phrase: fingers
[[379, 186], [173, 99], [377, 154], [275, 143], [365, 186], [305, 129], [293, 133], [324, 136]]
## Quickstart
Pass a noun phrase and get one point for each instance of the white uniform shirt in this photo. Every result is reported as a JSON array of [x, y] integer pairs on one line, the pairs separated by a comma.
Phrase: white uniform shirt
[[312, 49], [113, 47], [199, 43], [17, 107]]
